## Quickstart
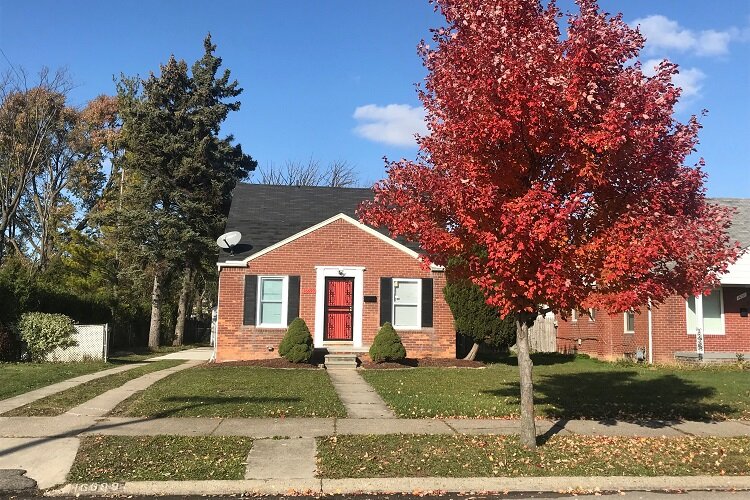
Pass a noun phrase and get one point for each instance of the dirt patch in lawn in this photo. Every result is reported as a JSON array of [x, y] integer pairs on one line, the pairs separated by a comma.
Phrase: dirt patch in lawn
[[266, 363], [423, 362]]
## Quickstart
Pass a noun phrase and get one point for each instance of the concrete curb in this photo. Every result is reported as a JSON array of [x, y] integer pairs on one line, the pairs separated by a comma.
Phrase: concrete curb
[[409, 485]]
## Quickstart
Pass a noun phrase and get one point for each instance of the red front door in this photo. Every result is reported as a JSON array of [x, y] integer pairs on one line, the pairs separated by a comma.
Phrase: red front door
[[339, 309]]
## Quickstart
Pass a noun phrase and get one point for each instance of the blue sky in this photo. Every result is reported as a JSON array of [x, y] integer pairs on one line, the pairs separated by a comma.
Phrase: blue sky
[[334, 79]]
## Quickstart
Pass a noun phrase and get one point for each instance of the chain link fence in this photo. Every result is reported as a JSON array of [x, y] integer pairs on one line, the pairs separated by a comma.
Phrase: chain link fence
[[92, 343]]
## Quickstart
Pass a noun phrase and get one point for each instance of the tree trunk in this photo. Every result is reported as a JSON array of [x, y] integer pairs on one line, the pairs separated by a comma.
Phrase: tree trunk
[[182, 307], [528, 426], [153, 331], [473, 353]]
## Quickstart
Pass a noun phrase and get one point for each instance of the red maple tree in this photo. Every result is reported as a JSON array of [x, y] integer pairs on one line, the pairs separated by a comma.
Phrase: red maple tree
[[554, 168]]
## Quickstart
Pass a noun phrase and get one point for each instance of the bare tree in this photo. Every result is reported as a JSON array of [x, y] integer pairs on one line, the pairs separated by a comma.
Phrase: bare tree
[[27, 118], [293, 173]]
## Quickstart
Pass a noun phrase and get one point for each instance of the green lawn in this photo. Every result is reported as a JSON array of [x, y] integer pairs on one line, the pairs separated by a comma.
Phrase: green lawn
[[18, 378], [568, 387], [237, 391], [159, 458], [59, 403], [482, 456]]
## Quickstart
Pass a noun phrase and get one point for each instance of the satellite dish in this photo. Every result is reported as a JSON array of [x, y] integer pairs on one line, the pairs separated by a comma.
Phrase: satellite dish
[[229, 240]]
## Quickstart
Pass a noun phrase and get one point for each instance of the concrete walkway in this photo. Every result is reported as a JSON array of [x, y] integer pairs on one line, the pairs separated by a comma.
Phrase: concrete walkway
[[197, 354], [47, 461], [282, 459], [9, 404], [106, 402], [359, 398], [69, 425], [47, 446]]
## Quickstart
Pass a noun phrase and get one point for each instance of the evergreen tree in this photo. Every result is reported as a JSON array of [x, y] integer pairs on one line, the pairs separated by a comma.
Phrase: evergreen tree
[[210, 171], [180, 173]]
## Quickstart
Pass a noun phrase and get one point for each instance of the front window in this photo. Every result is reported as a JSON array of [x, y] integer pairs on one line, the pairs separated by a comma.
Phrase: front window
[[630, 322], [272, 306], [407, 295], [707, 312]]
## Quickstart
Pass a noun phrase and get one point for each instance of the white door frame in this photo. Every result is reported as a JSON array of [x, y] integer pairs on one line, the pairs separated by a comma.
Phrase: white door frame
[[323, 272]]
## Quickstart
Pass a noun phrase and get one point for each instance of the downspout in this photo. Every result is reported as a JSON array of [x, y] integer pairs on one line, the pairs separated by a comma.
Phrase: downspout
[[650, 335], [218, 309]]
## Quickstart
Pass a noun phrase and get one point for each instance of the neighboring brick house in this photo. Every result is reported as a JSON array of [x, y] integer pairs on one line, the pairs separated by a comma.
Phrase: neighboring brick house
[[303, 254], [669, 332]]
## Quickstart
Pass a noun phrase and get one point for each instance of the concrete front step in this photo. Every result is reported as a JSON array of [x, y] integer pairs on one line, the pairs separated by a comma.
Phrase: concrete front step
[[341, 361]]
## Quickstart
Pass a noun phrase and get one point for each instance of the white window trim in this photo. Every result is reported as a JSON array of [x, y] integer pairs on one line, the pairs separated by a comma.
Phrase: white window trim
[[592, 316], [418, 326], [321, 273], [284, 302], [625, 320], [574, 315], [699, 298]]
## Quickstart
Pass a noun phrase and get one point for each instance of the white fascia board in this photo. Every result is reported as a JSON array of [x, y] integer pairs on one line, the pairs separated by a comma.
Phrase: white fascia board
[[344, 217]]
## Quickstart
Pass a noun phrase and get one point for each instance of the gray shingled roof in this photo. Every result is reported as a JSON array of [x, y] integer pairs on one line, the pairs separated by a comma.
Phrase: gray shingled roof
[[740, 229], [267, 214]]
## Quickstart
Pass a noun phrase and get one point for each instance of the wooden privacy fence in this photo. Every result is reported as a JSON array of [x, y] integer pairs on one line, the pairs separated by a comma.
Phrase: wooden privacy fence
[[543, 335]]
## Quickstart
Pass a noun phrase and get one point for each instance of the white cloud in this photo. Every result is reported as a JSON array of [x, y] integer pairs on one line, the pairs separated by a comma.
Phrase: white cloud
[[393, 124], [689, 79], [663, 33]]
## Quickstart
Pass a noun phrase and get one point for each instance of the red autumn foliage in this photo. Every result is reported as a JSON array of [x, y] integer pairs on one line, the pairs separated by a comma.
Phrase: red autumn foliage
[[554, 167]]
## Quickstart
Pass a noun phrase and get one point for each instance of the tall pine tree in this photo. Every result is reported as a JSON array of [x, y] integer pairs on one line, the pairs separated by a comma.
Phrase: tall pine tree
[[180, 173], [211, 170]]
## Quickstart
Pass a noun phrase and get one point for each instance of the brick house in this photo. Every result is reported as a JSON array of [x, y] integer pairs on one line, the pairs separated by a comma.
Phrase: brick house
[[668, 331], [304, 254]]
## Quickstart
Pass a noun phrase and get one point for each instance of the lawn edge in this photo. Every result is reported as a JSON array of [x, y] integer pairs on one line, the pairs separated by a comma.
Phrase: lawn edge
[[408, 485]]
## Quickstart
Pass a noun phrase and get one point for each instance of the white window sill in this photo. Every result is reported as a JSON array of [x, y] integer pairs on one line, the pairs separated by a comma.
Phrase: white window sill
[[705, 334], [631, 332], [406, 328], [272, 327]]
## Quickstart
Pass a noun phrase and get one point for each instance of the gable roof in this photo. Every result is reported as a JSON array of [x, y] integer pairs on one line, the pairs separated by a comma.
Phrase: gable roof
[[740, 228], [267, 214]]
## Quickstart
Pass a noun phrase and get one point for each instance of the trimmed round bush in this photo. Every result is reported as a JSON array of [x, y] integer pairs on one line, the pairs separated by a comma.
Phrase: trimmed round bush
[[297, 345], [44, 332], [387, 345]]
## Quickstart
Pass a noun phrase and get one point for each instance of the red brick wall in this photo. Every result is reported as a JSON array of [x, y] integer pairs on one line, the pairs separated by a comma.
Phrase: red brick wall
[[670, 327], [337, 244], [605, 337]]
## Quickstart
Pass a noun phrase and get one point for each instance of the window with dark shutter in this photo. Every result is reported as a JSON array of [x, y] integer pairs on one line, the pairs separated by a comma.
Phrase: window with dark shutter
[[427, 303], [293, 299], [386, 300], [250, 299]]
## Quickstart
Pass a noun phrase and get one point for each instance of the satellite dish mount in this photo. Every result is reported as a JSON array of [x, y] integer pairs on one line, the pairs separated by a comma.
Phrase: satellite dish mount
[[229, 240]]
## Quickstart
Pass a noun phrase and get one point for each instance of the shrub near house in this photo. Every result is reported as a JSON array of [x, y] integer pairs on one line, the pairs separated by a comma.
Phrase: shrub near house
[[297, 345], [387, 345]]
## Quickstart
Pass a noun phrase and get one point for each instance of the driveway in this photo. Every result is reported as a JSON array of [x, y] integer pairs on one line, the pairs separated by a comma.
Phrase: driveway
[[197, 354]]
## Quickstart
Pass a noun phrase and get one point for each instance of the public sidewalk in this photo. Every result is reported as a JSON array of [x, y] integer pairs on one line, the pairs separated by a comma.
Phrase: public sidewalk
[[69, 426]]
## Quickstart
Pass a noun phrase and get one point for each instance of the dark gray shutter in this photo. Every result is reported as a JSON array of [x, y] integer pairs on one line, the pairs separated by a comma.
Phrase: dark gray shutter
[[386, 300], [427, 303], [251, 299], [292, 310]]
